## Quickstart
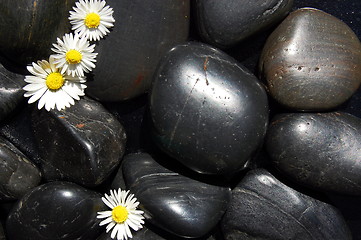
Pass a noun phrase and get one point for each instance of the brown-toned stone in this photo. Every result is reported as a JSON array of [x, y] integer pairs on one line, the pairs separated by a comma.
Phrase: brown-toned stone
[[312, 61]]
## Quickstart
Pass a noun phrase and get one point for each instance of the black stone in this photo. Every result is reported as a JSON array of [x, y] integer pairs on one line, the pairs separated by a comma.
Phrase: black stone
[[207, 110], [2, 234], [57, 210], [320, 150], [29, 28], [18, 175], [264, 208], [82, 144], [127, 58], [224, 23], [175, 203], [11, 92], [19, 132], [312, 61]]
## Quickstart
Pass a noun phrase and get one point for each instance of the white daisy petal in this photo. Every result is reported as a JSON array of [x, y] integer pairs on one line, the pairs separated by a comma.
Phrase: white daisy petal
[[38, 94], [51, 87], [124, 217], [106, 221], [110, 226], [91, 19], [115, 230], [34, 86], [109, 204]]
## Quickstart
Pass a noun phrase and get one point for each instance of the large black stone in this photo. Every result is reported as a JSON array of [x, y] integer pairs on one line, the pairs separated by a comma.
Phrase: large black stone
[[312, 61], [320, 150], [57, 210], [207, 111], [18, 175], [82, 144], [175, 203], [225, 23], [264, 208], [127, 58], [29, 27], [11, 92]]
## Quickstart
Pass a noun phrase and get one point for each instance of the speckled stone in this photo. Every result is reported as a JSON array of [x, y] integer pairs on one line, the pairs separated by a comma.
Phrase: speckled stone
[[207, 110], [31, 26], [224, 23], [173, 202], [127, 58], [57, 210], [262, 207], [18, 175], [11, 93], [312, 61], [82, 144], [320, 150]]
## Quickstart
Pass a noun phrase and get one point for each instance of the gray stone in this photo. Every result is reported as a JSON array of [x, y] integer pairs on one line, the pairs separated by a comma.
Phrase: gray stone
[[312, 61]]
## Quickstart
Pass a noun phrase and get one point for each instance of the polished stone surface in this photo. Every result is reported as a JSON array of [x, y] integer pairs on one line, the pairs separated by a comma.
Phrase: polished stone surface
[[312, 61], [31, 26], [224, 23], [262, 207], [11, 93], [320, 150], [207, 110], [18, 175], [57, 210], [173, 202], [82, 144], [127, 58]]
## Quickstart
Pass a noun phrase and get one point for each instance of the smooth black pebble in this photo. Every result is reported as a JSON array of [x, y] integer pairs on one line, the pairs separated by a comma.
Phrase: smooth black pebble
[[173, 202], [207, 110], [319, 150], [57, 210]]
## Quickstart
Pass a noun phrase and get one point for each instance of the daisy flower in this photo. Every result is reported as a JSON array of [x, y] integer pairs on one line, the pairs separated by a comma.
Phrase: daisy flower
[[91, 19], [52, 87], [124, 214], [74, 55]]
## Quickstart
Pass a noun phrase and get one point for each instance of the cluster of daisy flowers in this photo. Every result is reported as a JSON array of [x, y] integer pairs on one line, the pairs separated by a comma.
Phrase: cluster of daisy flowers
[[59, 81]]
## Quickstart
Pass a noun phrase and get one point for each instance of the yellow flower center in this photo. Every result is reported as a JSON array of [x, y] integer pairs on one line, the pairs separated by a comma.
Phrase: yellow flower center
[[92, 20], [119, 214], [54, 81], [73, 56]]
